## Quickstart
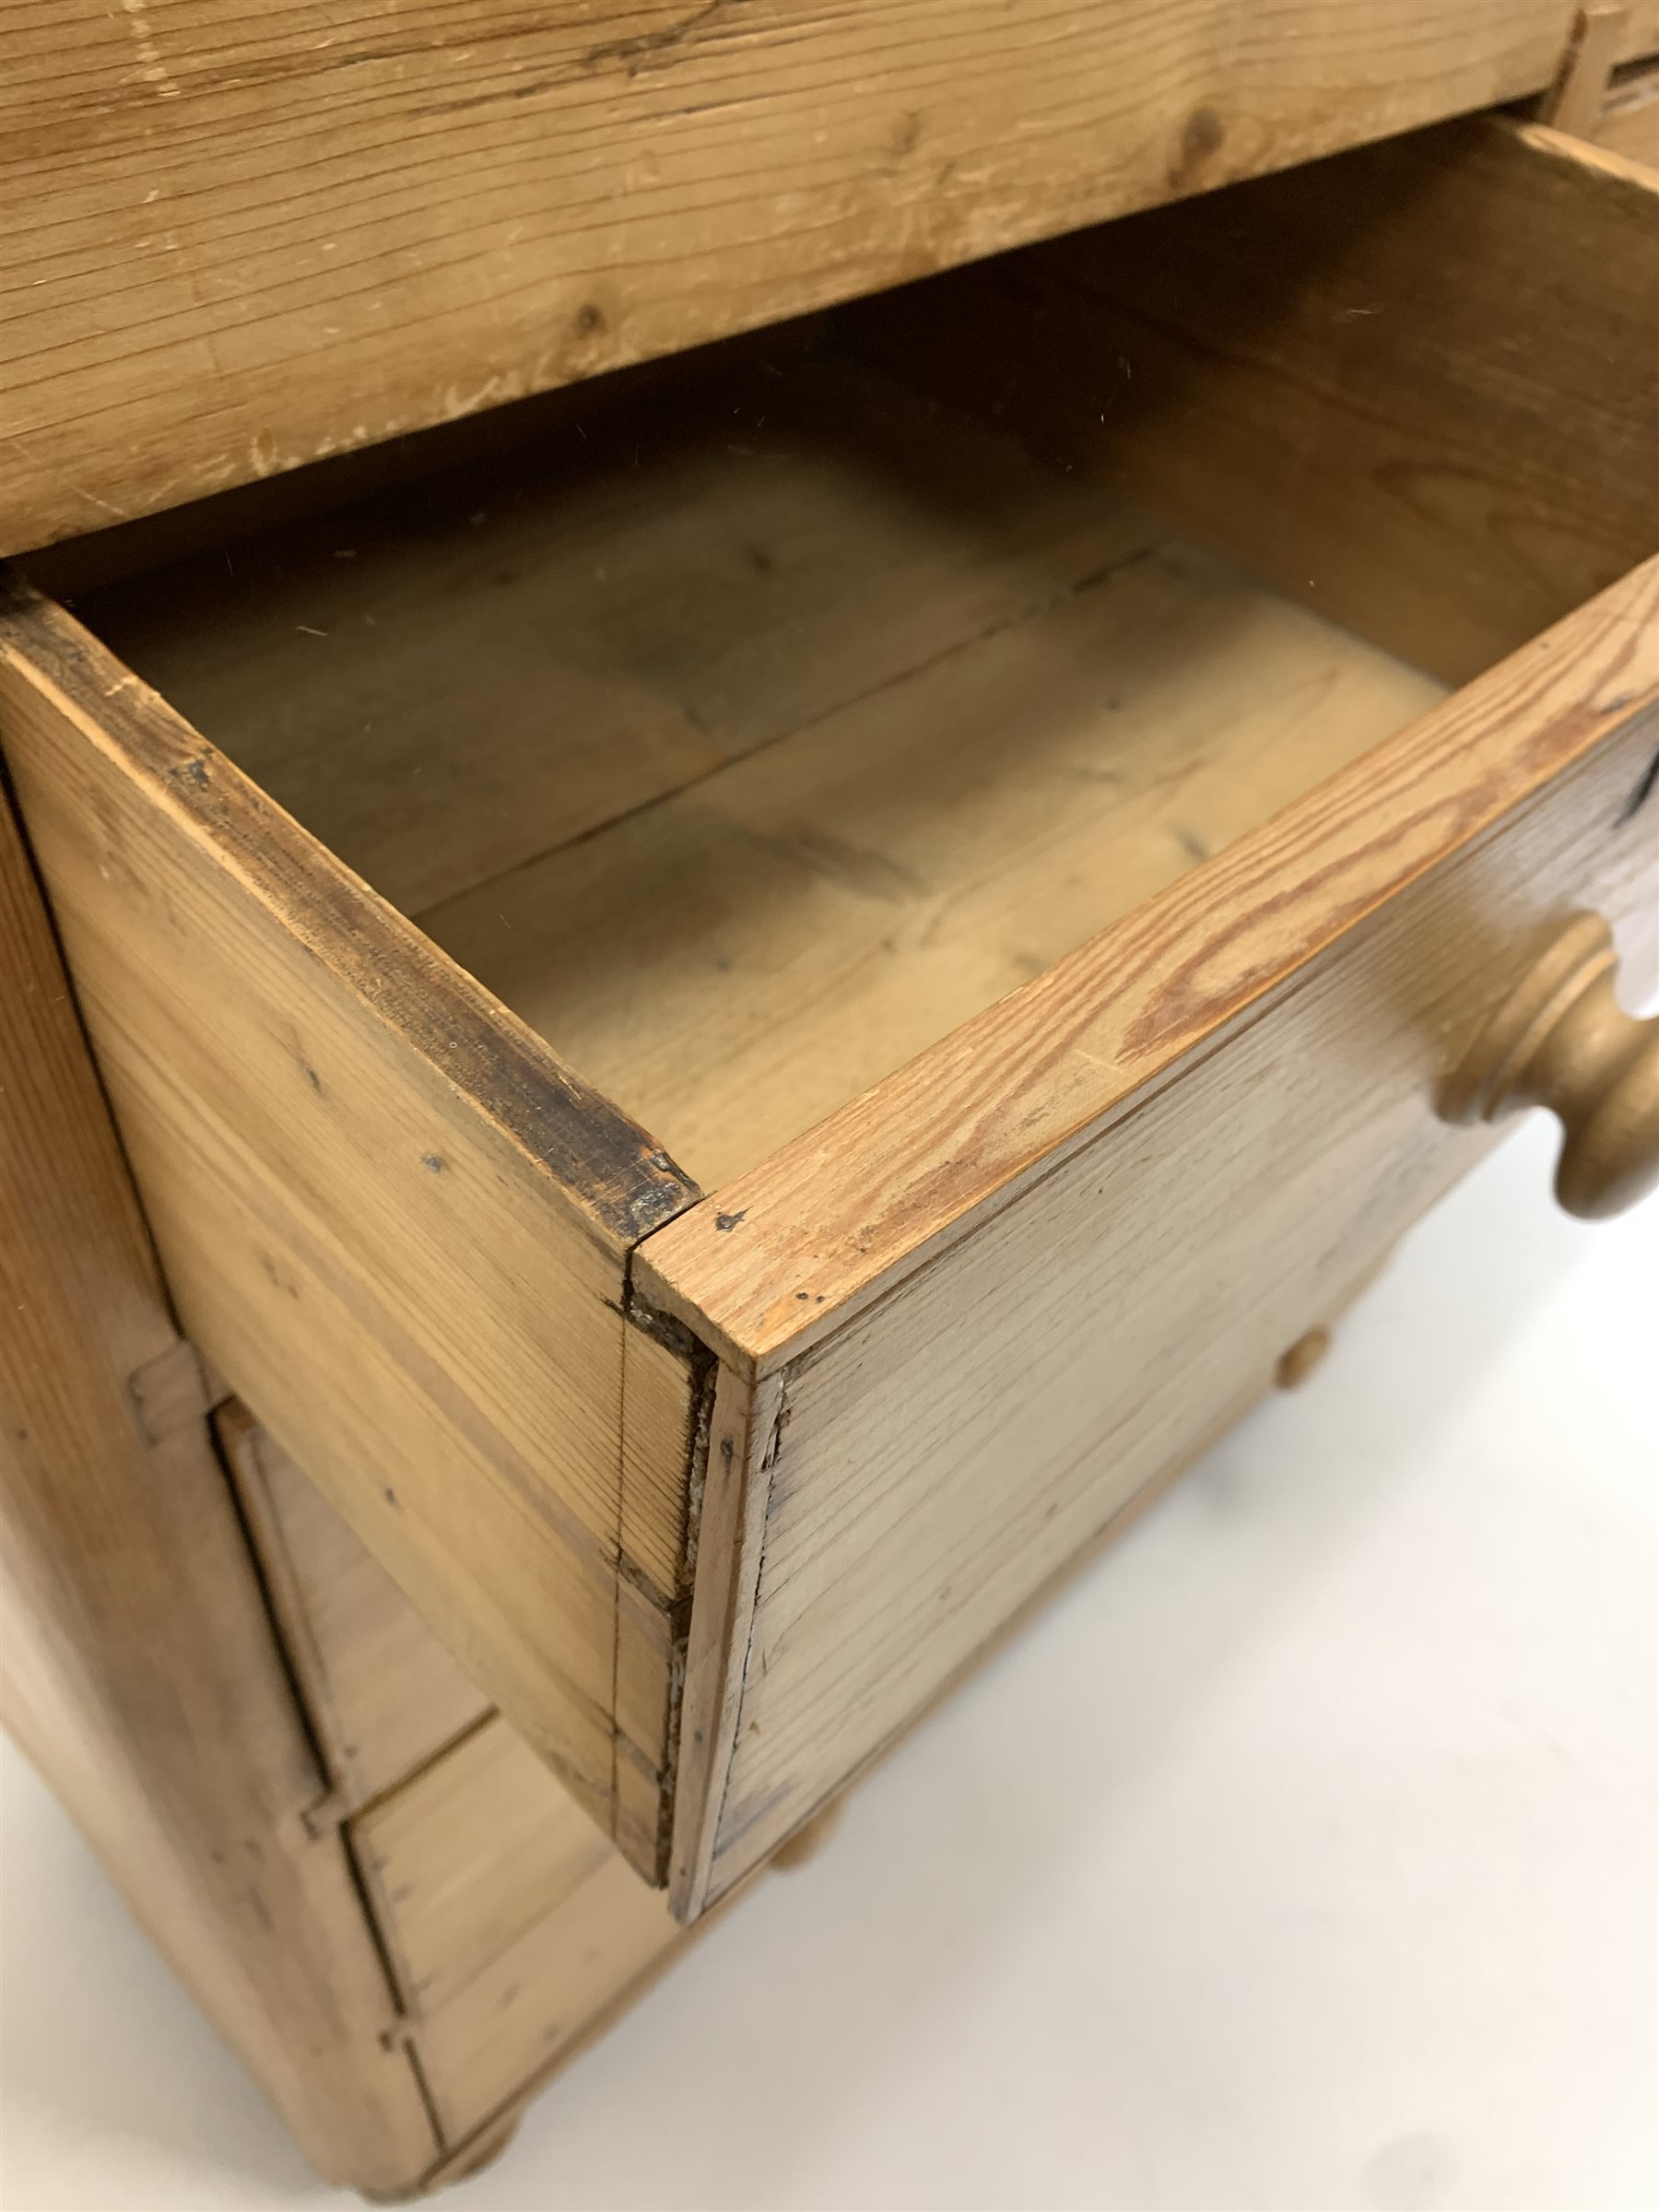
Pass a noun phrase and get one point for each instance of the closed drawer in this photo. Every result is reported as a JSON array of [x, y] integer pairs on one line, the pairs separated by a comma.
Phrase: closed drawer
[[469, 1855], [511, 1927], [383, 1695], [904, 980], [235, 244], [515, 1930]]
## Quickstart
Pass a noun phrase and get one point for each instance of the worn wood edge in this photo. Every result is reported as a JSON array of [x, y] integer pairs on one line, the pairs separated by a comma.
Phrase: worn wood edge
[[651, 1854], [602, 1170], [95, 558], [1599, 36], [591, 1163], [742, 1443], [840, 1205]]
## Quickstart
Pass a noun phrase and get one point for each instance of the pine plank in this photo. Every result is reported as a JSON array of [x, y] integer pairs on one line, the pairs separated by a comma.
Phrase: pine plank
[[468, 1856], [395, 1222], [953, 712], [383, 1693], [142, 1676], [533, 2008], [446, 681], [736, 963], [235, 241]]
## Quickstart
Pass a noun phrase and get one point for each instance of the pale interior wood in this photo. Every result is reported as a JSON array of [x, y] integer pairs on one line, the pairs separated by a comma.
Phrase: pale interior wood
[[468, 1856], [554, 1987], [1412, 387], [748, 748]]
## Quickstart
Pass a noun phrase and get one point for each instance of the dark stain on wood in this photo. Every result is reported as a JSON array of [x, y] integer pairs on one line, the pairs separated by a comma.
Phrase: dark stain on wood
[[646, 45], [1641, 794], [1201, 140]]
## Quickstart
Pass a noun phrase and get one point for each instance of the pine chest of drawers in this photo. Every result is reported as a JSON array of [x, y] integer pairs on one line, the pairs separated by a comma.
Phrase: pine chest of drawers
[[711, 1021]]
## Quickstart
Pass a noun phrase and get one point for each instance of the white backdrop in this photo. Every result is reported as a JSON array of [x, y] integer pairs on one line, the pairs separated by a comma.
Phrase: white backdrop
[[1303, 1855]]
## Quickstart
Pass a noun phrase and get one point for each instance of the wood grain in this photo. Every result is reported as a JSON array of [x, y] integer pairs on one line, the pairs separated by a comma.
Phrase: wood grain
[[1413, 386], [394, 1221], [142, 1676], [1265, 1048], [745, 1432], [549, 1992], [514, 1929], [236, 242], [944, 712], [872, 1193], [735, 962], [445, 682], [383, 1695], [466, 1859], [72, 566]]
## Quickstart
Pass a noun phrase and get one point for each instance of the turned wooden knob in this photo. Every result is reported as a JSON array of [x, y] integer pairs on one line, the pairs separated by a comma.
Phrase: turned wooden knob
[[1561, 1040]]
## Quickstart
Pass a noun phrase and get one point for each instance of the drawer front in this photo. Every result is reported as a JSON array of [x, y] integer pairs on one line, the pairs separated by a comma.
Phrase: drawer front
[[976, 1316], [513, 1928], [1055, 1252], [390, 1218], [307, 274]]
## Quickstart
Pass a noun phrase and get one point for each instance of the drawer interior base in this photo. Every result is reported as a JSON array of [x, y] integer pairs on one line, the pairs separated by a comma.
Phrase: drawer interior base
[[749, 741]]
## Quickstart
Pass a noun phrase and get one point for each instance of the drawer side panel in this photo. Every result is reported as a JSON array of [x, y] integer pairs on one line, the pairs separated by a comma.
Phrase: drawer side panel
[[394, 1221], [270, 235], [141, 1673], [1021, 1353]]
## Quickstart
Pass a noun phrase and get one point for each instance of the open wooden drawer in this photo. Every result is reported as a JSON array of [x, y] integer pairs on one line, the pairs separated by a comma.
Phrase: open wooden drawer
[[1050, 945]]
